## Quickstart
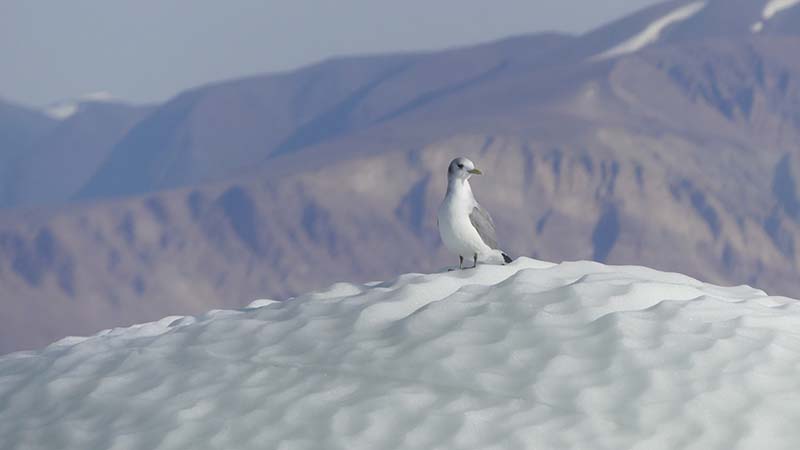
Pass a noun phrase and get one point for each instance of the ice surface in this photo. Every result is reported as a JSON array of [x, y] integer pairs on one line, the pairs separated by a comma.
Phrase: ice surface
[[652, 32], [529, 355], [261, 303]]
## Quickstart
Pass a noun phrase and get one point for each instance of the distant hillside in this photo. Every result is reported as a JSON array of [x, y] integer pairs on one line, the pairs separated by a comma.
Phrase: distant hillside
[[57, 165], [19, 129], [215, 132]]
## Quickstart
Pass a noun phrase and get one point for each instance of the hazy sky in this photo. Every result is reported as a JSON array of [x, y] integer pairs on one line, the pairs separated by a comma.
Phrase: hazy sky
[[148, 50]]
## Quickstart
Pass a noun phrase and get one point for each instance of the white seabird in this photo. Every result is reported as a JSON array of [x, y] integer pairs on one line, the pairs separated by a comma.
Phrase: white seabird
[[467, 229]]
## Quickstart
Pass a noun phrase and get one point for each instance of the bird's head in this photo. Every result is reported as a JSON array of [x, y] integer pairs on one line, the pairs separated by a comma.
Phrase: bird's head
[[462, 168]]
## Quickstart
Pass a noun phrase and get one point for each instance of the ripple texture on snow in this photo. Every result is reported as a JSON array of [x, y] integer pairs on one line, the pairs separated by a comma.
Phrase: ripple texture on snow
[[530, 355]]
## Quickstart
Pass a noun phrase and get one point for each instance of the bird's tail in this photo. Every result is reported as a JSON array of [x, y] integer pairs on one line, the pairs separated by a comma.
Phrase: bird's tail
[[506, 258]]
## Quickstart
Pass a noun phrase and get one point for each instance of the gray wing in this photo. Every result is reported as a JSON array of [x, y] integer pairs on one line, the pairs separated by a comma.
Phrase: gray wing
[[482, 222]]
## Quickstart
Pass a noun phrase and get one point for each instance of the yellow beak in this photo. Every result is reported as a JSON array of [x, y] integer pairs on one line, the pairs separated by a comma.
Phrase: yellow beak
[[475, 172]]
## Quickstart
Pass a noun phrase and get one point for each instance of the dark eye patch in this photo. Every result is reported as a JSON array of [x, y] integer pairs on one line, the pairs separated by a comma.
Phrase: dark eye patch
[[460, 166]]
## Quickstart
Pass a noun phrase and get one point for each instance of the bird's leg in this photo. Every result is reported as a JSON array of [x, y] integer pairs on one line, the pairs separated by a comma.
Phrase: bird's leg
[[475, 260], [460, 262]]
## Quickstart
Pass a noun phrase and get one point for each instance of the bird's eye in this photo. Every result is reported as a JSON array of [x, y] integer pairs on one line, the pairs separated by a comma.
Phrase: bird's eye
[[460, 166]]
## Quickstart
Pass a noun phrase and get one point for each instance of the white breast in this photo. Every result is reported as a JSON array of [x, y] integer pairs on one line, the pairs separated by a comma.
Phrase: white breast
[[455, 228]]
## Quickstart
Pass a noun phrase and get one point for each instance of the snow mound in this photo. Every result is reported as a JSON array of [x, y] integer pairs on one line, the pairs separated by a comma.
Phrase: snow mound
[[652, 32], [529, 355]]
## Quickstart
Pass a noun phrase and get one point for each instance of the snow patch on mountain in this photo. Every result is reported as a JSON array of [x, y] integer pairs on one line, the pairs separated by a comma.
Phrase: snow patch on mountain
[[772, 8], [62, 110], [652, 32], [529, 355], [65, 109], [99, 96], [775, 6]]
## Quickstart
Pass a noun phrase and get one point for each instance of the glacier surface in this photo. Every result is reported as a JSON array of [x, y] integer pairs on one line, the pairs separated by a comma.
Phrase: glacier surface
[[529, 355]]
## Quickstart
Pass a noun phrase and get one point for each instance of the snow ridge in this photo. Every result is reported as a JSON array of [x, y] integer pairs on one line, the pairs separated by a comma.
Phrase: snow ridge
[[528, 355], [652, 32]]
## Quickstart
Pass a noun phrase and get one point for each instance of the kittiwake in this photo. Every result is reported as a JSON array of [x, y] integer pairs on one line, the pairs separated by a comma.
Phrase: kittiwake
[[467, 229]]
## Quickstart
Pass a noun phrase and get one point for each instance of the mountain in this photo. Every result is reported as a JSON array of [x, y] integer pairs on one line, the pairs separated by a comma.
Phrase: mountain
[[261, 120], [680, 153], [47, 157], [60, 163], [19, 129], [673, 22], [530, 355], [215, 132]]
